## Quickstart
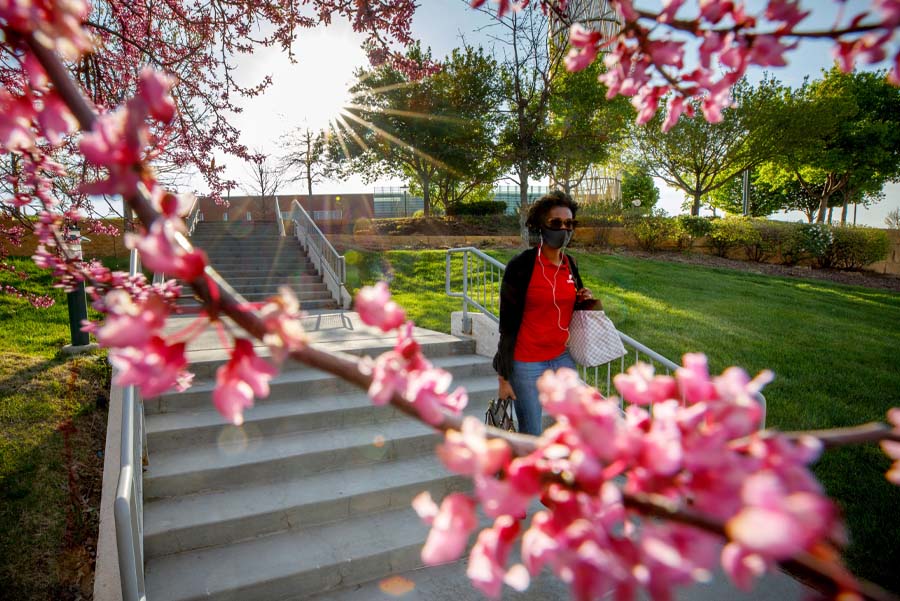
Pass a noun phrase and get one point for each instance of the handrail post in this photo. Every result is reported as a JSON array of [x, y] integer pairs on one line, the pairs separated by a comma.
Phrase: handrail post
[[467, 326]]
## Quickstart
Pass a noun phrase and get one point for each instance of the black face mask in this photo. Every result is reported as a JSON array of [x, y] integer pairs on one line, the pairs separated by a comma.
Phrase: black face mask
[[556, 238]]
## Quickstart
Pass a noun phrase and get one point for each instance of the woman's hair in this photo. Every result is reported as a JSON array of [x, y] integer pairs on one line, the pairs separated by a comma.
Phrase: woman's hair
[[538, 211]]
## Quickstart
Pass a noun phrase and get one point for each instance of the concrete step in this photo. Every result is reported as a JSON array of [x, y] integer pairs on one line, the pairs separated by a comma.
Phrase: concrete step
[[301, 381], [296, 563], [324, 332], [293, 279], [294, 260], [216, 518], [239, 461], [303, 292], [193, 307], [272, 272], [204, 425]]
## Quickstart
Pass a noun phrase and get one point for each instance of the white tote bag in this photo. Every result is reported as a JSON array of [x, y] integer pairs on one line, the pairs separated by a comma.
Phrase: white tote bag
[[593, 339]]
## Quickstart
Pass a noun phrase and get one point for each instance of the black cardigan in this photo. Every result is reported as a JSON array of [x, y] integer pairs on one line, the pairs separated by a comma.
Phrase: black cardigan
[[516, 280]]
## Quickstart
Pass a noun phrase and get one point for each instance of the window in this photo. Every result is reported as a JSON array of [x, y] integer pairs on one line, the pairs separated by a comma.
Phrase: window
[[200, 216], [249, 216], [225, 216]]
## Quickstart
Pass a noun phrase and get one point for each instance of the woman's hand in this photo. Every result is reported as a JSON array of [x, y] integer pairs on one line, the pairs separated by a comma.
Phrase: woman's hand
[[506, 390], [585, 296]]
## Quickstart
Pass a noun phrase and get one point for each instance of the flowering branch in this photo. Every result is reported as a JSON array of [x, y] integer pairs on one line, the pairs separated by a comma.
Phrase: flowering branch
[[700, 448]]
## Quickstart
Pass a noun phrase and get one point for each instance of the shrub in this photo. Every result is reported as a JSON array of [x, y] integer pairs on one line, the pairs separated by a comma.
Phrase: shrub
[[856, 247], [813, 240], [732, 232], [689, 228], [651, 232], [480, 207], [602, 218], [772, 240]]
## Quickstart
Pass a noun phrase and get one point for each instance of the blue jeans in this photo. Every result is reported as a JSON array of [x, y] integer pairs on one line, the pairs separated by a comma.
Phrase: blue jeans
[[524, 383]]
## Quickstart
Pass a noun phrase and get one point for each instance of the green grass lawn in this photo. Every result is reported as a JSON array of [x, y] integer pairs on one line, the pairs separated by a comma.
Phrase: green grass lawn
[[48, 523], [834, 350]]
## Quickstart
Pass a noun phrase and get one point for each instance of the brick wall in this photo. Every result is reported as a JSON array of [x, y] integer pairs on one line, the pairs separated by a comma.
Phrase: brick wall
[[331, 208]]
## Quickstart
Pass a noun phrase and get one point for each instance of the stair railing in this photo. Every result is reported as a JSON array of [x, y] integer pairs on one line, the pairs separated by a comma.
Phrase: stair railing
[[128, 508], [327, 260], [192, 218], [279, 220], [476, 279]]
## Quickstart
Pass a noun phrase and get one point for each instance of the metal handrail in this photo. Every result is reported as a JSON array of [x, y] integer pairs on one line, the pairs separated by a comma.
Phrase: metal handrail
[[312, 239], [481, 291], [279, 220], [190, 221], [128, 508]]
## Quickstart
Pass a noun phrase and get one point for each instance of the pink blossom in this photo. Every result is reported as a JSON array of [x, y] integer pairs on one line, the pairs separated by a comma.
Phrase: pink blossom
[[468, 450], [786, 11], [427, 391], [153, 89], [670, 8], [673, 112], [129, 323], [56, 120], [584, 47], [715, 10], [154, 367], [238, 381], [890, 11], [667, 53], [768, 51], [892, 447], [450, 526], [742, 566], [117, 139], [500, 497], [161, 253], [281, 316], [646, 102], [693, 380], [775, 522], [375, 307], [15, 122], [487, 561], [638, 385]]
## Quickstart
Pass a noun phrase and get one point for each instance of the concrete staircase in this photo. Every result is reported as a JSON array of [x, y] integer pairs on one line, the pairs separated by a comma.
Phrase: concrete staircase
[[256, 261], [310, 496]]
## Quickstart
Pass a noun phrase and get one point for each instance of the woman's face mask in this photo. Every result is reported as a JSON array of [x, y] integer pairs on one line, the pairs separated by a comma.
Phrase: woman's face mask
[[556, 238]]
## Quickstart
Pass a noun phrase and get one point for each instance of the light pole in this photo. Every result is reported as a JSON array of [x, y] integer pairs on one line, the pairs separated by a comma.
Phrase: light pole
[[76, 301]]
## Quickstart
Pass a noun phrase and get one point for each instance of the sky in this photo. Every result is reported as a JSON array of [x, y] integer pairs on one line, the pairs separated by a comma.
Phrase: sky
[[312, 91]]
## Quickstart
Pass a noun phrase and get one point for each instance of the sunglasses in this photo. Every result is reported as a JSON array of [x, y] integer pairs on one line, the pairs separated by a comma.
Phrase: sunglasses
[[561, 224]]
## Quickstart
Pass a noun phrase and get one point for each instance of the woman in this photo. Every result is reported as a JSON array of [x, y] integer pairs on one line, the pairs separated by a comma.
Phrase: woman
[[540, 289]]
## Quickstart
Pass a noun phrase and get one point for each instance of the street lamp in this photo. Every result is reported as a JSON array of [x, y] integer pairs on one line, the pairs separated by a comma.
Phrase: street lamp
[[81, 341]]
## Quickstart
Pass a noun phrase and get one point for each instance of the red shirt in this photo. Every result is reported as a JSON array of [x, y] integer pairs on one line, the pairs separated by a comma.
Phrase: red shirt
[[544, 330]]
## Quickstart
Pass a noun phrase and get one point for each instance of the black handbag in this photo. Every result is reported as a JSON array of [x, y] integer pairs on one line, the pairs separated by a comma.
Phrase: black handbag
[[499, 414]]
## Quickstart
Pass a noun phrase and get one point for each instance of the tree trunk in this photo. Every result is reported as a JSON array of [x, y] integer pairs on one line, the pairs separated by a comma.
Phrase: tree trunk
[[523, 203], [426, 194], [830, 212], [823, 208], [844, 211], [695, 207], [309, 179]]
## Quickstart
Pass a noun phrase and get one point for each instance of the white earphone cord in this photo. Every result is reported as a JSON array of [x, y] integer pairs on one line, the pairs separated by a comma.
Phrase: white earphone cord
[[553, 287]]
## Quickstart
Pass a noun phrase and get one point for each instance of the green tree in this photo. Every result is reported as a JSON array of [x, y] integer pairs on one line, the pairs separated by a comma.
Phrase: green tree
[[639, 190], [855, 144], [698, 157], [437, 127], [528, 70], [762, 201], [583, 126]]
